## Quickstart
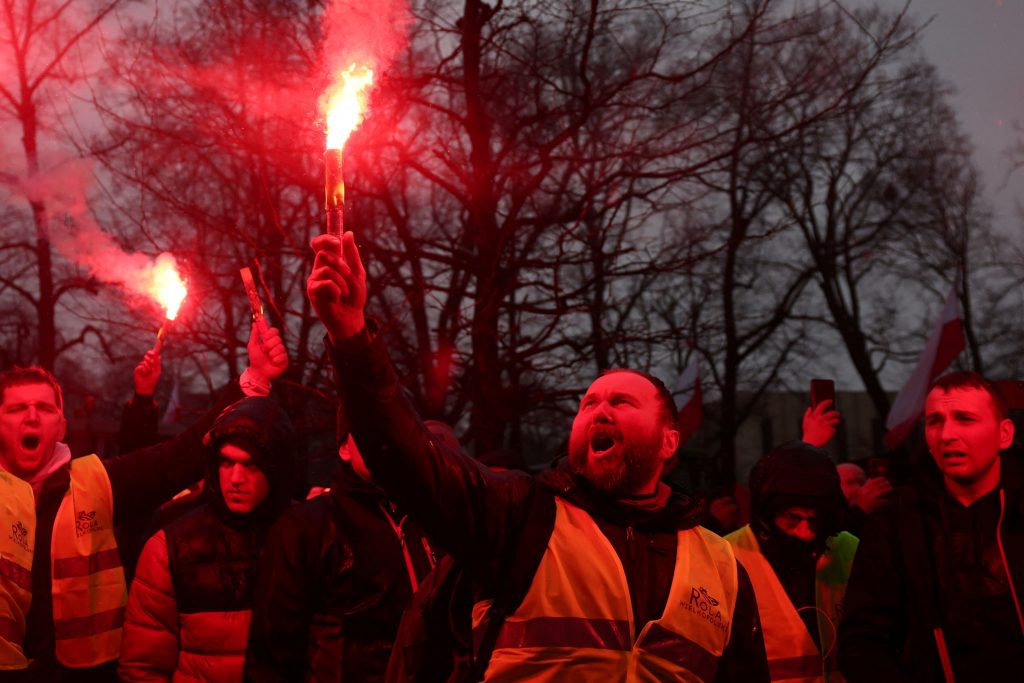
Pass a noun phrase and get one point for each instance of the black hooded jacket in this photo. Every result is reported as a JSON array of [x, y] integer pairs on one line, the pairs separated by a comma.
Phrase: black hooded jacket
[[925, 562], [481, 517], [211, 551]]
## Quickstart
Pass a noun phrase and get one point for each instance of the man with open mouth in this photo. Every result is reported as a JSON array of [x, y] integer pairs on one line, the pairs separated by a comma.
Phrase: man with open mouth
[[935, 590], [595, 571], [62, 584]]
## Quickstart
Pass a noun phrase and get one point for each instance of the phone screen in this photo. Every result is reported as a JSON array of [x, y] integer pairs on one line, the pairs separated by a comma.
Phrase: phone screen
[[822, 390]]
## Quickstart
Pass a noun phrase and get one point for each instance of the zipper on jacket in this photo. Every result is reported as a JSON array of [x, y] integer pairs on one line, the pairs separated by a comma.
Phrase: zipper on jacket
[[1002, 555], [400, 533]]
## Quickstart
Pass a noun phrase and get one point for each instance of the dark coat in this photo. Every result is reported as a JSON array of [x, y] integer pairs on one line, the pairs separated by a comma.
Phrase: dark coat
[[479, 516], [336, 574], [907, 580]]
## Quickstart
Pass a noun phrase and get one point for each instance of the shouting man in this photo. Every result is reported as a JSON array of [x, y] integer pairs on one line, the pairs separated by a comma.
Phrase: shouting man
[[595, 571]]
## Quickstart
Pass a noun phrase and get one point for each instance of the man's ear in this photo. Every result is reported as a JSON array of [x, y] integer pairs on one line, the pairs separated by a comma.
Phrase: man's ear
[[669, 443], [1005, 433], [64, 428]]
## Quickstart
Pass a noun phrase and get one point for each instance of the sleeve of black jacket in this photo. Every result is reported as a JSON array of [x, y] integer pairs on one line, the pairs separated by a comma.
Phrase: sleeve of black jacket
[[873, 629], [288, 581], [139, 424], [144, 479], [744, 658], [474, 514]]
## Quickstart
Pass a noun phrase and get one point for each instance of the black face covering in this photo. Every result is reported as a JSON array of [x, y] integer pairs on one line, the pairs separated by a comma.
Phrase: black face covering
[[785, 552]]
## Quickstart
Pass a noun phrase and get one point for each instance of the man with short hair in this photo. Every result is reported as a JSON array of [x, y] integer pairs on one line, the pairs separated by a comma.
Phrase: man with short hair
[[594, 571], [336, 574], [61, 611], [190, 605], [935, 592]]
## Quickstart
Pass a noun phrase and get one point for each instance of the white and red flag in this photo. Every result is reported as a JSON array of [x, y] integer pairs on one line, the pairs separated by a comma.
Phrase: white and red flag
[[687, 395], [944, 344]]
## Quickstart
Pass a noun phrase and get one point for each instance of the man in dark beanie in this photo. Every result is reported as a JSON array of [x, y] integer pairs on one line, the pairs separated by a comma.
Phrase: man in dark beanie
[[191, 603], [798, 559]]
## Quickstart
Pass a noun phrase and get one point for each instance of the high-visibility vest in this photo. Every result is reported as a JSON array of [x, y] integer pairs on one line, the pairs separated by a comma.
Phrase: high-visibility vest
[[576, 622], [87, 579], [17, 539], [792, 653]]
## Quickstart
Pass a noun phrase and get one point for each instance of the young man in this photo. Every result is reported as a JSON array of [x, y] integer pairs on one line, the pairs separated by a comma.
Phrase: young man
[[336, 574], [798, 559], [190, 605], [935, 592], [622, 585], [61, 611]]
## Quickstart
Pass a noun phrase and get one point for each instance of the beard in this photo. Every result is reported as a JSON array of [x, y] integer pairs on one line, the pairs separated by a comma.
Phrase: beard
[[624, 474]]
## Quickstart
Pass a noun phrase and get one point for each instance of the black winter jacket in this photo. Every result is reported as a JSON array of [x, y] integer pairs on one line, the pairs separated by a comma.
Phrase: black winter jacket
[[336, 574], [924, 562], [479, 516]]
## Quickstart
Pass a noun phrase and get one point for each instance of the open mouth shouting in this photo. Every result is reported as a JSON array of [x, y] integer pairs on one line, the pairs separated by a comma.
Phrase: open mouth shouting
[[603, 442], [30, 442]]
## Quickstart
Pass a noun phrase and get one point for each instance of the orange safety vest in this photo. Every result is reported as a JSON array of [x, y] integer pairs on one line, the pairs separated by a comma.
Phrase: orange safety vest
[[87, 579], [17, 538], [792, 652], [576, 622]]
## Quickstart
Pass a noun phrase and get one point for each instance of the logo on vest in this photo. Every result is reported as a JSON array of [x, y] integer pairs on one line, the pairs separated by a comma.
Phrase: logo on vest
[[85, 523], [705, 606], [19, 534]]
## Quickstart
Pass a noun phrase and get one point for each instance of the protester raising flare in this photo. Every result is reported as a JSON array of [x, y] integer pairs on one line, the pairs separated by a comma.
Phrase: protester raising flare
[[337, 572], [61, 611], [798, 559], [190, 605], [935, 592], [593, 571]]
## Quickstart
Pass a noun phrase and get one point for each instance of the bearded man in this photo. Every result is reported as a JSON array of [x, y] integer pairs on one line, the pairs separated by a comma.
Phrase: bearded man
[[594, 571]]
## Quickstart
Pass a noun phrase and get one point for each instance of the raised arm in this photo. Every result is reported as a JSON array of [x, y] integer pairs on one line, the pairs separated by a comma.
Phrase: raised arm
[[473, 513], [143, 479]]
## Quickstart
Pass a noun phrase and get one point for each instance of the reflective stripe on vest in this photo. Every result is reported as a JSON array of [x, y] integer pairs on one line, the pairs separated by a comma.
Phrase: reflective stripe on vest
[[89, 593], [17, 541], [576, 621], [792, 652]]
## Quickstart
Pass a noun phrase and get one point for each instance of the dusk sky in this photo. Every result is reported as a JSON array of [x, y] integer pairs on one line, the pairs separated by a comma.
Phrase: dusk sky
[[978, 45]]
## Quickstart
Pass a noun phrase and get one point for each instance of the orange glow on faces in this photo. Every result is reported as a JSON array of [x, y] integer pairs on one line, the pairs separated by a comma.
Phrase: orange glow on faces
[[345, 104], [166, 285]]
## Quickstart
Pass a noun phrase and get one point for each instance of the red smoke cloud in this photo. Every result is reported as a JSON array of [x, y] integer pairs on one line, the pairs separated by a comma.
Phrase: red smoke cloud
[[367, 32]]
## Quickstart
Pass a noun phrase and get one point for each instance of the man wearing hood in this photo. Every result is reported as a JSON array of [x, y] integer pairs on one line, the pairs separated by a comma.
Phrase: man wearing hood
[[623, 586], [190, 605], [336, 575], [936, 590], [62, 586], [798, 559]]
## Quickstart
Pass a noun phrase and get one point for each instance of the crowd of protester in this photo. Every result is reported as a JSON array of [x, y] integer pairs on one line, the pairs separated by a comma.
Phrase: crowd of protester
[[193, 559]]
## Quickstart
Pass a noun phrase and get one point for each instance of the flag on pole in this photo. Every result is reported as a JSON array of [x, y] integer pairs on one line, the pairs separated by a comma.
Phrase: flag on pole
[[687, 395], [944, 344]]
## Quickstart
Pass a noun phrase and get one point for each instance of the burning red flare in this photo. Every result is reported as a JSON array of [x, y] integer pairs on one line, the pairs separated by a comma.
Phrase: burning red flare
[[344, 104], [165, 284]]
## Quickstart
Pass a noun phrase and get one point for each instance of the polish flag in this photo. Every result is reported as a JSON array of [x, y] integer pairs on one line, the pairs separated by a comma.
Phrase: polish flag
[[944, 344], [687, 396]]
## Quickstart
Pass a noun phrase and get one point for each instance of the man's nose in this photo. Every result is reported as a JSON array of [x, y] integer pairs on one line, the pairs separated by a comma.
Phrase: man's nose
[[603, 412], [32, 414], [803, 531], [237, 474]]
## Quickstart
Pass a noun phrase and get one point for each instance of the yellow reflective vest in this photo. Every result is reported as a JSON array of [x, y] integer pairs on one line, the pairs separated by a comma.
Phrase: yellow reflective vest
[[576, 622], [87, 580], [792, 653]]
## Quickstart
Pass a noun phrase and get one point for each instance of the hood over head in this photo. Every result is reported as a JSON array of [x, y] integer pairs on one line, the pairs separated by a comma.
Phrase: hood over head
[[796, 474], [258, 425]]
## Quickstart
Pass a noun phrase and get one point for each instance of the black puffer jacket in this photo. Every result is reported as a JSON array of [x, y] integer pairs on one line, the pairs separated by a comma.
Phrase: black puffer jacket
[[336, 574], [188, 612]]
